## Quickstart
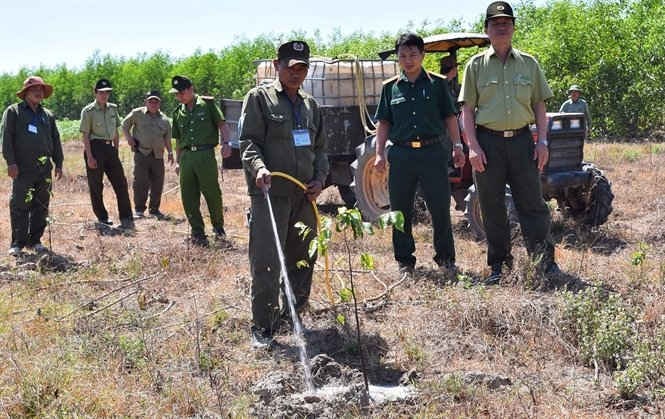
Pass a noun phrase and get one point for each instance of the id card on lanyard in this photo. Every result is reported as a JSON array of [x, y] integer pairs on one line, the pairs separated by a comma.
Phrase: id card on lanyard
[[301, 136]]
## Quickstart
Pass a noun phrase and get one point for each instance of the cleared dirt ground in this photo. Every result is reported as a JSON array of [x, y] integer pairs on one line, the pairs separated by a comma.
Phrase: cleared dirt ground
[[143, 324]]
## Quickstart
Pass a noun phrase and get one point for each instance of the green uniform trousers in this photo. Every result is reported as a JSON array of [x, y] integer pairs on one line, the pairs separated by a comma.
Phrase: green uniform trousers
[[198, 175], [264, 262], [510, 161], [427, 167], [28, 207], [148, 178]]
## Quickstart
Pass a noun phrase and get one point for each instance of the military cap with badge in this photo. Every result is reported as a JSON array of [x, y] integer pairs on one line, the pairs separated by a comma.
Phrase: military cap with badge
[[294, 52], [180, 83], [103, 85], [499, 9]]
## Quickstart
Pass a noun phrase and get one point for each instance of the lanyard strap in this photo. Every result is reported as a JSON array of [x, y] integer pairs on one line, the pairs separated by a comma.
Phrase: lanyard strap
[[295, 110]]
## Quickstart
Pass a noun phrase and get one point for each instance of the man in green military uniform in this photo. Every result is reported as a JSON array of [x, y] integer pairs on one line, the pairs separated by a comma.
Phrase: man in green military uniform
[[198, 126], [30, 144], [99, 127], [504, 90], [281, 131], [417, 114], [575, 104], [148, 132]]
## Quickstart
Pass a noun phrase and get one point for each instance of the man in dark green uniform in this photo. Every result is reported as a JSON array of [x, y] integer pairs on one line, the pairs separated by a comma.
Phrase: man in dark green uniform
[[281, 131], [198, 126], [417, 114], [99, 126], [148, 132], [504, 90], [30, 142]]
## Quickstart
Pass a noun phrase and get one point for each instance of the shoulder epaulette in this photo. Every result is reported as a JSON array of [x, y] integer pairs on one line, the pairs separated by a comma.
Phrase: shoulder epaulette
[[112, 105], [208, 98], [441, 76], [390, 80]]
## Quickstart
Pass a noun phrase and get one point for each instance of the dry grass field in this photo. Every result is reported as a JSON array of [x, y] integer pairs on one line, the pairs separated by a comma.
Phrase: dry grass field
[[143, 325]]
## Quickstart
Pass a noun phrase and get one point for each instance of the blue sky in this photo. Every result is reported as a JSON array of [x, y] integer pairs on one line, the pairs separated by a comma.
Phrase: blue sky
[[52, 32]]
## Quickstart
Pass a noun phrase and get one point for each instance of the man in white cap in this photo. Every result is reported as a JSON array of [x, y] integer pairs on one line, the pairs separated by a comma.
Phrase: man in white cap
[[30, 146], [575, 104]]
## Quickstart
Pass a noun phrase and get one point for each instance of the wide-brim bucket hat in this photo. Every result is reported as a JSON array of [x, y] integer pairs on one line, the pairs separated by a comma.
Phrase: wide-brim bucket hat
[[35, 81]]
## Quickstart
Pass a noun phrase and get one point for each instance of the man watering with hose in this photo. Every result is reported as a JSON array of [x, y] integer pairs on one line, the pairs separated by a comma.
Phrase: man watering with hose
[[281, 130]]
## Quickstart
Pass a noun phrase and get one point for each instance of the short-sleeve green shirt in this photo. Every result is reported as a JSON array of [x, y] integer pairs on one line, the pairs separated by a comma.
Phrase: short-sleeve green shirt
[[198, 126], [504, 94], [100, 123], [415, 110]]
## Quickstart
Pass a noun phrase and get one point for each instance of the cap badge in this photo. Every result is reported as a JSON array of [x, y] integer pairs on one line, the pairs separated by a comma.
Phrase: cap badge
[[298, 46], [500, 7]]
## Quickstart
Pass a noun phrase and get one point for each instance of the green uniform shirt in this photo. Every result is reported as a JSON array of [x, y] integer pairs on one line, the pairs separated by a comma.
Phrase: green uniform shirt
[[504, 94], [198, 126], [577, 107], [100, 123], [22, 146], [150, 130], [415, 110], [266, 137]]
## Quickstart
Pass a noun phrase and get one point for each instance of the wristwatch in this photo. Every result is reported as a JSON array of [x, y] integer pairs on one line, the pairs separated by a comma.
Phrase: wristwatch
[[543, 141], [458, 145]]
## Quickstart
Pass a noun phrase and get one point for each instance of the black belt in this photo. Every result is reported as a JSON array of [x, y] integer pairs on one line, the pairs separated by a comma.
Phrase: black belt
[[419, 142], [101, 141], [200, 147], [509, 133]]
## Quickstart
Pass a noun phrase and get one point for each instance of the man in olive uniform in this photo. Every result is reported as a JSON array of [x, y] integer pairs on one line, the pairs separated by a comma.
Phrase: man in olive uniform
[[148, 132], [417, 114], [504, 90], [281, 130], [30, 144], [575, 104], [99, 126], [198, 126]]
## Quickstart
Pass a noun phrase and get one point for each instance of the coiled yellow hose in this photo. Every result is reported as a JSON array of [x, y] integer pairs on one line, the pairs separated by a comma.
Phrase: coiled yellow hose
[[326, 275]]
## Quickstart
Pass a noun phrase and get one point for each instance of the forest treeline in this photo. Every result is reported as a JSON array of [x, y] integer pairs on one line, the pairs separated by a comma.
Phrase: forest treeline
[[614, 49]]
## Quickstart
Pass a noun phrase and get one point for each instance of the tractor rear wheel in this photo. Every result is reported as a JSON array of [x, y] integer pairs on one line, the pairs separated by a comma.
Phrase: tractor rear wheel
[[600, 198], [347, 195], [369, 185], [475, 219]]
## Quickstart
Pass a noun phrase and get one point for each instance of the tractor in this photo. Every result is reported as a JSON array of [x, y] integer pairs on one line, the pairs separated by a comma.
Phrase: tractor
[[348, 91]]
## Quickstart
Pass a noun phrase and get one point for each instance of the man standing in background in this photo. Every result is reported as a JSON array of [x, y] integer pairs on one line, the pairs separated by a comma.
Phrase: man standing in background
[[99, 126], [198, 126], [148, 133], [575, 104], [30, 142]]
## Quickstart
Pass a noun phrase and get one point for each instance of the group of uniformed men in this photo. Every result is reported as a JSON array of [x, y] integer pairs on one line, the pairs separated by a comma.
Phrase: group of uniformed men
[[281, 130]]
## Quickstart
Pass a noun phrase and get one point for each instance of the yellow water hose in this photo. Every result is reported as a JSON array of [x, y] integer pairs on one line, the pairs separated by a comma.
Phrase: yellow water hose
[[365, 118], [326, 275]]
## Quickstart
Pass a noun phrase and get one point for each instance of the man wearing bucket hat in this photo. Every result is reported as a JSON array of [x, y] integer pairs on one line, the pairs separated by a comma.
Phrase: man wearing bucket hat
[[30, 146], [504, 90], [99, 127], [148, 132], [198, 126], [281, 130], [575, 104]]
